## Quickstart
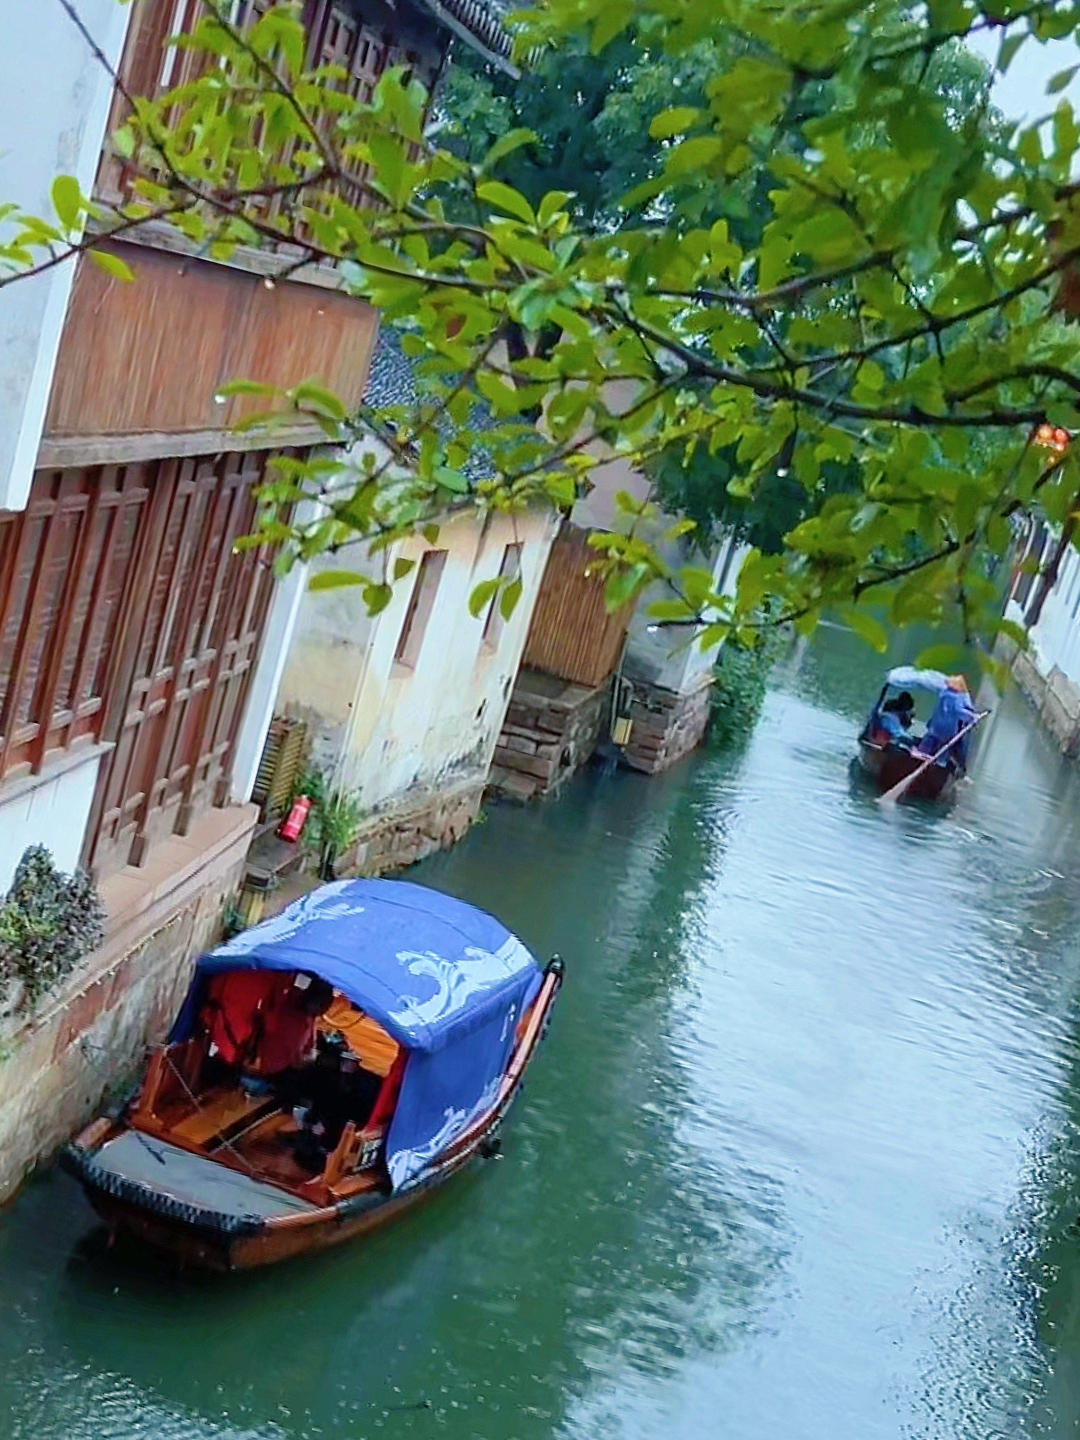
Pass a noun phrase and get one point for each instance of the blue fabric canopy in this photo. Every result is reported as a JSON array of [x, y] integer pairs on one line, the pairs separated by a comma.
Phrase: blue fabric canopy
[[908, 677], [446, 980]]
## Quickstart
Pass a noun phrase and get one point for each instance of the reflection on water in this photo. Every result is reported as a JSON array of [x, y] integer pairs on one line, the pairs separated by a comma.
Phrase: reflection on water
[[801, 1157]]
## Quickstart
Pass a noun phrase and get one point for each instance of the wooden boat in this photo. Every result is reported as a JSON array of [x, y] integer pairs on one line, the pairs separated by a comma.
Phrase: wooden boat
[[328, 1069], [888, 763]]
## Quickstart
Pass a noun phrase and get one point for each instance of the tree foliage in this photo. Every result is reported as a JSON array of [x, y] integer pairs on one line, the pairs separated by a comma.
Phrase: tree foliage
[[890, 314]]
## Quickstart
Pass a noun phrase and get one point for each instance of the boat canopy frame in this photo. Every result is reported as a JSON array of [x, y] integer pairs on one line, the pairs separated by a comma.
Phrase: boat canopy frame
[[910, 677]]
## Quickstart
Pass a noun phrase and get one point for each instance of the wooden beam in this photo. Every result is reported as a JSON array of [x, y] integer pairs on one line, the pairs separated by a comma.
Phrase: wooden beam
[[63, 452]]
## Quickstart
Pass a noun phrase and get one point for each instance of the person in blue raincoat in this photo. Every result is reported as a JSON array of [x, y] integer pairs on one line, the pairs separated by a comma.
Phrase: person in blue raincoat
[[952, 713], [893, 720]]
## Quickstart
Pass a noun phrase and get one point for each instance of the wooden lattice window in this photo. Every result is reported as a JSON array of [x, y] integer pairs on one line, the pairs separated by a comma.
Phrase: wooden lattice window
[[152, 65], [65, 565]]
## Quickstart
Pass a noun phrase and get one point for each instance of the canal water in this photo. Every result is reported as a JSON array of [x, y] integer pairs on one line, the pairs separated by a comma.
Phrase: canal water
[[800, 1160]]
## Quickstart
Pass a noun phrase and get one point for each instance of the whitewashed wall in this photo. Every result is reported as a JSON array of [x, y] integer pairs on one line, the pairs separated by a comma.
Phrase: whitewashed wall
[[1055, 640], [47, 811], [54, 104], [384, 729]]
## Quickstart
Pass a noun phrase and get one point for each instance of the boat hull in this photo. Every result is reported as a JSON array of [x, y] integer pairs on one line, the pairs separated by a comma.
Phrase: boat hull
[[887, 765], [198, 1243], [210, 1240]]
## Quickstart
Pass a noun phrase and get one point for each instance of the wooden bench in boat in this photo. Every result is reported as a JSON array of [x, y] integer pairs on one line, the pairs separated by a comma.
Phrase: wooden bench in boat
[[221, 1114]]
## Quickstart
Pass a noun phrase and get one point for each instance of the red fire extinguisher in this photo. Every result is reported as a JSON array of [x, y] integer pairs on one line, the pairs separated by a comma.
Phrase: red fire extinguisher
[[292, 827]]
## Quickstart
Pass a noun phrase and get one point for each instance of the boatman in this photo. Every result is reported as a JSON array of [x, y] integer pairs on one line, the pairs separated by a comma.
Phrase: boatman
[[952, 713]]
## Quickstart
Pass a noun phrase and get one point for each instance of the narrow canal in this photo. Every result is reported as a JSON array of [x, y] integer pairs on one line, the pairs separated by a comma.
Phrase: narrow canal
[[800, 1161]]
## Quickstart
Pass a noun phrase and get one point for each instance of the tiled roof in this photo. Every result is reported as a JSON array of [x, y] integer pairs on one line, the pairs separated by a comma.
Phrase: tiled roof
[[392, 381]]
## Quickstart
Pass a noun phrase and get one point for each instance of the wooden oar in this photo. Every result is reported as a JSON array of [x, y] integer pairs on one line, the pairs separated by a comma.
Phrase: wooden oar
[[902, 786]]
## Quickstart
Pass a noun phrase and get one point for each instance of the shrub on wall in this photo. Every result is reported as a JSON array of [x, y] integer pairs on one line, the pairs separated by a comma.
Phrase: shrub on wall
[[742, 678], [48, 922]]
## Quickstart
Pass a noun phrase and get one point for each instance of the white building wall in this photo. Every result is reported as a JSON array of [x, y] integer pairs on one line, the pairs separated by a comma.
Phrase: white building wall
[[385, 730], [1055, 640], [54, 106], [670, 656], [261, 700], [48, 811]]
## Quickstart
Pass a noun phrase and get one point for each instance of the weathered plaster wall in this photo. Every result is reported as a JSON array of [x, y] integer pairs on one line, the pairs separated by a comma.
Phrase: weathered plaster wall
[[391, 732], [54, 104], [1055, 639], [667, 658], [1053, 695]]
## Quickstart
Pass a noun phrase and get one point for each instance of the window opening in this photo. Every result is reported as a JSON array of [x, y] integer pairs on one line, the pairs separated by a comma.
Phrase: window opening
[[421, 604]]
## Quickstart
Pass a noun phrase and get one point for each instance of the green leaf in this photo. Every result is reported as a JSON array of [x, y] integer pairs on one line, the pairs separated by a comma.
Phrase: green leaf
[[1061, 80], [669, 610], [694, 155], [505, 197], [866, 627], [940, 657], [614, 17], [481, 596], [111, 264], [507, 144], [452, 480], [67, 201], [509, 598], [402, 567], [1010, 44], [550, 206], [674, 121], [309, 396], [336, 580], [248, 387], [377, 598], [623, 585]]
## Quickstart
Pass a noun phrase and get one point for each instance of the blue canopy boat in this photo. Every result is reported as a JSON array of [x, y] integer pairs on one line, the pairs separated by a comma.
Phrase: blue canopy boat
[[892, 743], [329, 1067]]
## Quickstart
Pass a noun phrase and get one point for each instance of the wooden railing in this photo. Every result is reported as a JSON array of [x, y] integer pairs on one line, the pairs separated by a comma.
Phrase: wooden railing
[[152, 65]]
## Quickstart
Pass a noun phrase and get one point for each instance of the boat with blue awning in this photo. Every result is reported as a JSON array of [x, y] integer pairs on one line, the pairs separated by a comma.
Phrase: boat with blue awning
[[918, 727], [328, 1068]]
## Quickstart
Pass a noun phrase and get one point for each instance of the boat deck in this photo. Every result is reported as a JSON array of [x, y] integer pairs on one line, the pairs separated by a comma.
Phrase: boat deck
[[193, 1179]]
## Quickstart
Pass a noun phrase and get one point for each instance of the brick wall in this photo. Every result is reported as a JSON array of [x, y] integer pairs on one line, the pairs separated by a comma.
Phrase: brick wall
[[549, 733], [666, 725], [91, 1034]]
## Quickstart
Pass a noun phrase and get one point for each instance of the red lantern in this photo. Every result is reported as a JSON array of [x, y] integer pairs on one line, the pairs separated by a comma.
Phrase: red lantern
[[292, 827], [1052, 437]]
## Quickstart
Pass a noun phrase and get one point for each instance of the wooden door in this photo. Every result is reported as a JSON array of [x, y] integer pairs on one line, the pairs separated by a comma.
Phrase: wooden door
[[189, 641]]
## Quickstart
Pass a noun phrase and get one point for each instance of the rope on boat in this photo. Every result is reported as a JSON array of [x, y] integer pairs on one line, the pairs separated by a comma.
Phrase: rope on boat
[[252, 1170]]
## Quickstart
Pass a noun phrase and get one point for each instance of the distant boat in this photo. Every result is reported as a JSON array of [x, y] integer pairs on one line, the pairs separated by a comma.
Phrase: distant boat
[[329, 1068], [888, 761]]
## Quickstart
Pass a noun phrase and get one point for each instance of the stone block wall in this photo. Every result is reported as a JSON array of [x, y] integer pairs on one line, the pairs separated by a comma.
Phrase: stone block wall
[[551, 729], [666, 725], [1055, 698], [91, 1034], [416, 826]]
